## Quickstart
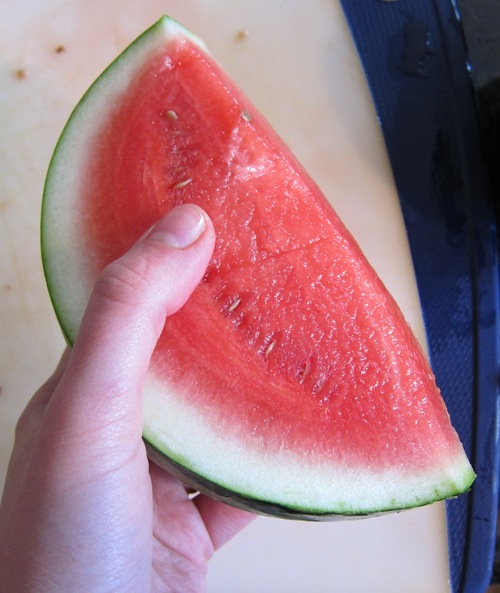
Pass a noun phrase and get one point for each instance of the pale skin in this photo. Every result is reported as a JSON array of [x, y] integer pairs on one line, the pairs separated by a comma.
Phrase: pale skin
[[83, 509]]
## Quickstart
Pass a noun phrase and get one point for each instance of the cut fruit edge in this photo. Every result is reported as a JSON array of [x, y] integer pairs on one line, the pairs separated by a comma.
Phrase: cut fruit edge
[[267, 482]]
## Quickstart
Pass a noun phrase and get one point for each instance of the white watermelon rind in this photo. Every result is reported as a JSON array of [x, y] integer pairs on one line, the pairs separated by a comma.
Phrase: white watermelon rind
[[255, 504]]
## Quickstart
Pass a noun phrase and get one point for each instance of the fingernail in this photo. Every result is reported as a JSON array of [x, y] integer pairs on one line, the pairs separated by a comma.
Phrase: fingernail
[[180, 227]]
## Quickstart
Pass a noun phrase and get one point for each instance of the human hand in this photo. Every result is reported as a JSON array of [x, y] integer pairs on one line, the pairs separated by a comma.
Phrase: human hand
[[83, 510]]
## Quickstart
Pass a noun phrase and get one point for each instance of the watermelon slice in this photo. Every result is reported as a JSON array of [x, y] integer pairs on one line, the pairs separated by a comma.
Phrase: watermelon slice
[[290, 383]]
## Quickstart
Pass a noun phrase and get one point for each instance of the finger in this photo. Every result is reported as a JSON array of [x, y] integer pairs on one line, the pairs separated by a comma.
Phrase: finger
[[222, 521], [36, 406], [125, 316], [177, 524]]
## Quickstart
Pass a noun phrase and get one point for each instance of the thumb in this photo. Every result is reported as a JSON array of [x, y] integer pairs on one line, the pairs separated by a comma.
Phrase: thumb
[[125, 317]]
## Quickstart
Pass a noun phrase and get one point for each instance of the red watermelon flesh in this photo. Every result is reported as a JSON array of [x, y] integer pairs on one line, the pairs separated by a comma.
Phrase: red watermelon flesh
[[290, 378]]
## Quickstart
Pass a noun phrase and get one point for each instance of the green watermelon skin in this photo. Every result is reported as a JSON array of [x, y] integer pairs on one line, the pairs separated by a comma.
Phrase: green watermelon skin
[[290, 383]]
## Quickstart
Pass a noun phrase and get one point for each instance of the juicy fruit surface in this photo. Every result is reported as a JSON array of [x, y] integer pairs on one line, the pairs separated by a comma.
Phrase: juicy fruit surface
[[294, 304], [290, 343]]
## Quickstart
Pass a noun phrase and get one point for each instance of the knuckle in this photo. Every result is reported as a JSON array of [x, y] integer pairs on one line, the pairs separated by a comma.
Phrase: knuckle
[[125, 280], [27, 421]]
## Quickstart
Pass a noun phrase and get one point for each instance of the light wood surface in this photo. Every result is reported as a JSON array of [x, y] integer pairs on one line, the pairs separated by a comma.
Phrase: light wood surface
[[299, 67]]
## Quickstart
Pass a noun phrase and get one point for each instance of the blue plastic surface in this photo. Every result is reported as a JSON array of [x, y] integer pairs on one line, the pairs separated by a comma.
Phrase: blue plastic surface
[[415, 59]]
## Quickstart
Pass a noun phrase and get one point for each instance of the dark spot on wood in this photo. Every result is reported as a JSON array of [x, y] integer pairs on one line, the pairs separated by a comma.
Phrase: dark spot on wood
[[242, 34]]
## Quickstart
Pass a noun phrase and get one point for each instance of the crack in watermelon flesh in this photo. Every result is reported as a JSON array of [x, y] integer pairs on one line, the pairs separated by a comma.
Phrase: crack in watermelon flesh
[[291, 349]]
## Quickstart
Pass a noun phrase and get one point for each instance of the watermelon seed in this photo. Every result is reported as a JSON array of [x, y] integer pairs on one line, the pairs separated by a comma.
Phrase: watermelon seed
[[319, 385], [191, 492], [182, 183], [172, 114], [270, 348], [304, 372], [233, 306], [246, 115]]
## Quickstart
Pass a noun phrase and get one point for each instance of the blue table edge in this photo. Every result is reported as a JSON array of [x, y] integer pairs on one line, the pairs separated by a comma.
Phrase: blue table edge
[[417, 66]]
